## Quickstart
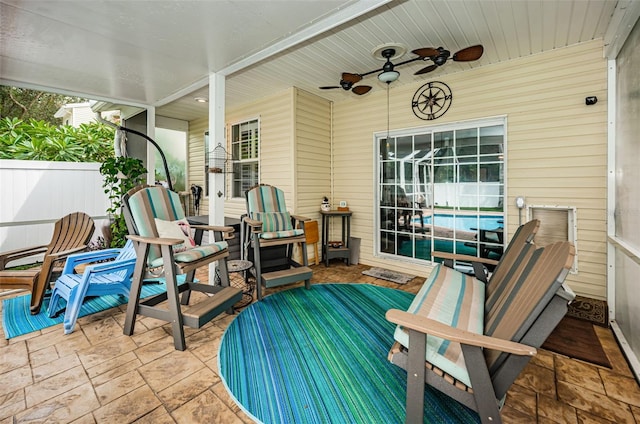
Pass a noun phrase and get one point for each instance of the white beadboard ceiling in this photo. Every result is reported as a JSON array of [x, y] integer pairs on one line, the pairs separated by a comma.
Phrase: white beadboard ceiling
[[160, 53]]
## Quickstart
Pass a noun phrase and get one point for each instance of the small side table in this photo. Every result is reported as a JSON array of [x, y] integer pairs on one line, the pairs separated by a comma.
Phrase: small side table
[[242, 281], [329, 251]]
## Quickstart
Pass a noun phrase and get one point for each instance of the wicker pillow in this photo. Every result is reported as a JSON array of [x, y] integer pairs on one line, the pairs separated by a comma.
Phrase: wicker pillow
[[179, 229]]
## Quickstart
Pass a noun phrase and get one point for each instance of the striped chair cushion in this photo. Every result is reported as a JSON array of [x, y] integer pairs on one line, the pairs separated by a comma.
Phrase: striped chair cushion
[[281, 234], [150, 203], [157, 203], [194, 254], [455, 299], [266, 199], [274, 221], [276, 225]]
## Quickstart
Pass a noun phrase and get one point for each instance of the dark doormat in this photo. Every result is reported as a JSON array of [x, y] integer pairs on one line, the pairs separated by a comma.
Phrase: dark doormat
[[577, 339], [385, 274], [588, 309]]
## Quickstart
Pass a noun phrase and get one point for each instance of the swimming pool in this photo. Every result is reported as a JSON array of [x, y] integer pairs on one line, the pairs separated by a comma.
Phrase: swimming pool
[[464, 222]]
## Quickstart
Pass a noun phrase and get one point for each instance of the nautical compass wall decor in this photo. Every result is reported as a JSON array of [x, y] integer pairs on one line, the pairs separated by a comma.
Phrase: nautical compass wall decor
[[432, 100]]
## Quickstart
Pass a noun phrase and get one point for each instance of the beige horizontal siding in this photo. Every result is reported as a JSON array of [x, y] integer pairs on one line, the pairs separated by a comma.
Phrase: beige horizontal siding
[[312, 135], [276, 141], [195, 161], [556, 145], [295, 136]]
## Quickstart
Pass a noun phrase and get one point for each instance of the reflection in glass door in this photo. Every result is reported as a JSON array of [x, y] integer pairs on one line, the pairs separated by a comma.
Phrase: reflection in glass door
[[442, 189]]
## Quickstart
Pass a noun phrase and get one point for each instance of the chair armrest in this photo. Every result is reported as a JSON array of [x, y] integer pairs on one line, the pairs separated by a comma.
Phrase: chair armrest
[[155, 240], [256, 226], [300, 218], [438, 329], [12, 255], [110, 267], [465, 258], [218, 228], [58, 256], [227, 232], [88, 257], [253, 222]]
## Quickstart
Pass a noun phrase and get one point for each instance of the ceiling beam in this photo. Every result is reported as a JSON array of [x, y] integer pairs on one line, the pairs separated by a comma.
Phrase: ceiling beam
[[343, 14], [625, 16]]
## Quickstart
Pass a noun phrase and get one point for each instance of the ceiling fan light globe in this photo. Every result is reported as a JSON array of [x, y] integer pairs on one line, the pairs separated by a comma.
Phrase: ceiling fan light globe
[[389, 76]]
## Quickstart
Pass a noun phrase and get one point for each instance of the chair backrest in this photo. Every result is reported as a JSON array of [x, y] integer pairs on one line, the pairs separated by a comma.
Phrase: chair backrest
[[127, 252], [70, 232], [265, 198], [525, 297], [512, 261], [143, 204], [394, 195]]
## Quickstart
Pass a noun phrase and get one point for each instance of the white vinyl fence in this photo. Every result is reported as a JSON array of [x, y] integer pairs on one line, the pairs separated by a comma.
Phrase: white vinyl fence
[[34, 194]]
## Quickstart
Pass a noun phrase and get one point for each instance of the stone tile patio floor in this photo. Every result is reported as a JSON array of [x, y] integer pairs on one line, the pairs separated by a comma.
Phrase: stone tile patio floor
[[98, 375]]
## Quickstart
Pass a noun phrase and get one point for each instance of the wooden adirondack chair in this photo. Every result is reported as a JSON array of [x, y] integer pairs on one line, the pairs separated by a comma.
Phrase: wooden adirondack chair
[[523, 237], [70, 235], [158, 227], [274, 233], [475, 349], [99, 279]]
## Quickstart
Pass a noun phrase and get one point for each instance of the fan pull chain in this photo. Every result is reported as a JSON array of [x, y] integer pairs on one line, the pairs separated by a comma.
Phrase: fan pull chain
[[388, 113]]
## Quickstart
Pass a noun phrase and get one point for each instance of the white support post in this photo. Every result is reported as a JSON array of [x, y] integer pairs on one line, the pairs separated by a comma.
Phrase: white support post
[[216, 135]]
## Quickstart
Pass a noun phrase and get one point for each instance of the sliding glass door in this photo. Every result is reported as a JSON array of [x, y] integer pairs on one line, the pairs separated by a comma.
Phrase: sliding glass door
[[441, 188]]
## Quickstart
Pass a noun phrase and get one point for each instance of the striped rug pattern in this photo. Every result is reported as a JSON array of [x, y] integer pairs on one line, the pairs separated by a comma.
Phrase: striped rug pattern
[[320, 356], [17, 319]]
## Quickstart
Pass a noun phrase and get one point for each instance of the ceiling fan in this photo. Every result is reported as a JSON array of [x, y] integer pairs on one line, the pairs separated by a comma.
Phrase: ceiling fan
[[440, 55], [347, 82], [388, 74]]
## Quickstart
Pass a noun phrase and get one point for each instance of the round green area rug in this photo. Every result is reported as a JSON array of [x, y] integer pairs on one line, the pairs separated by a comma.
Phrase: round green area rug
[[320, 356]]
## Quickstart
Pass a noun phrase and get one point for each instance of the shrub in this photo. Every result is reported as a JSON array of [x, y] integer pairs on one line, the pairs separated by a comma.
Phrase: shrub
[[39, 140], [115, 186]]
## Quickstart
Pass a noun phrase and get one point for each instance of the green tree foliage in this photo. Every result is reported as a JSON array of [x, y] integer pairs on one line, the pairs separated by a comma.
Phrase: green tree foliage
[[115, 186], [26, 104], [176, 170], [39, 140]]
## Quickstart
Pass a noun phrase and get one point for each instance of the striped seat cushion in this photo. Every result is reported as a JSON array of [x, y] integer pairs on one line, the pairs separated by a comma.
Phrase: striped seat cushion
[[194, 254], [276, 225], [265, 198], [281, 234], [455, 299], [151, 205], [274, 221]]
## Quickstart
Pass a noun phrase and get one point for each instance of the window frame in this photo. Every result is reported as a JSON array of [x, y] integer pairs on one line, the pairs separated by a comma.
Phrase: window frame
[[430, 131], [235, 155]]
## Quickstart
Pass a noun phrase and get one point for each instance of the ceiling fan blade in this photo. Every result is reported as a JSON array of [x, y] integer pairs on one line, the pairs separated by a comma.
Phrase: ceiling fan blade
[[426, 52], [329, 87], [426, 70], [351, 78], [361, 89], [469, 54]]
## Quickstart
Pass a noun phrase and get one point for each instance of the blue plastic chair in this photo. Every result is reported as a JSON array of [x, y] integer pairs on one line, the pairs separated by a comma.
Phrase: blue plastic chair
[[97, 280]]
